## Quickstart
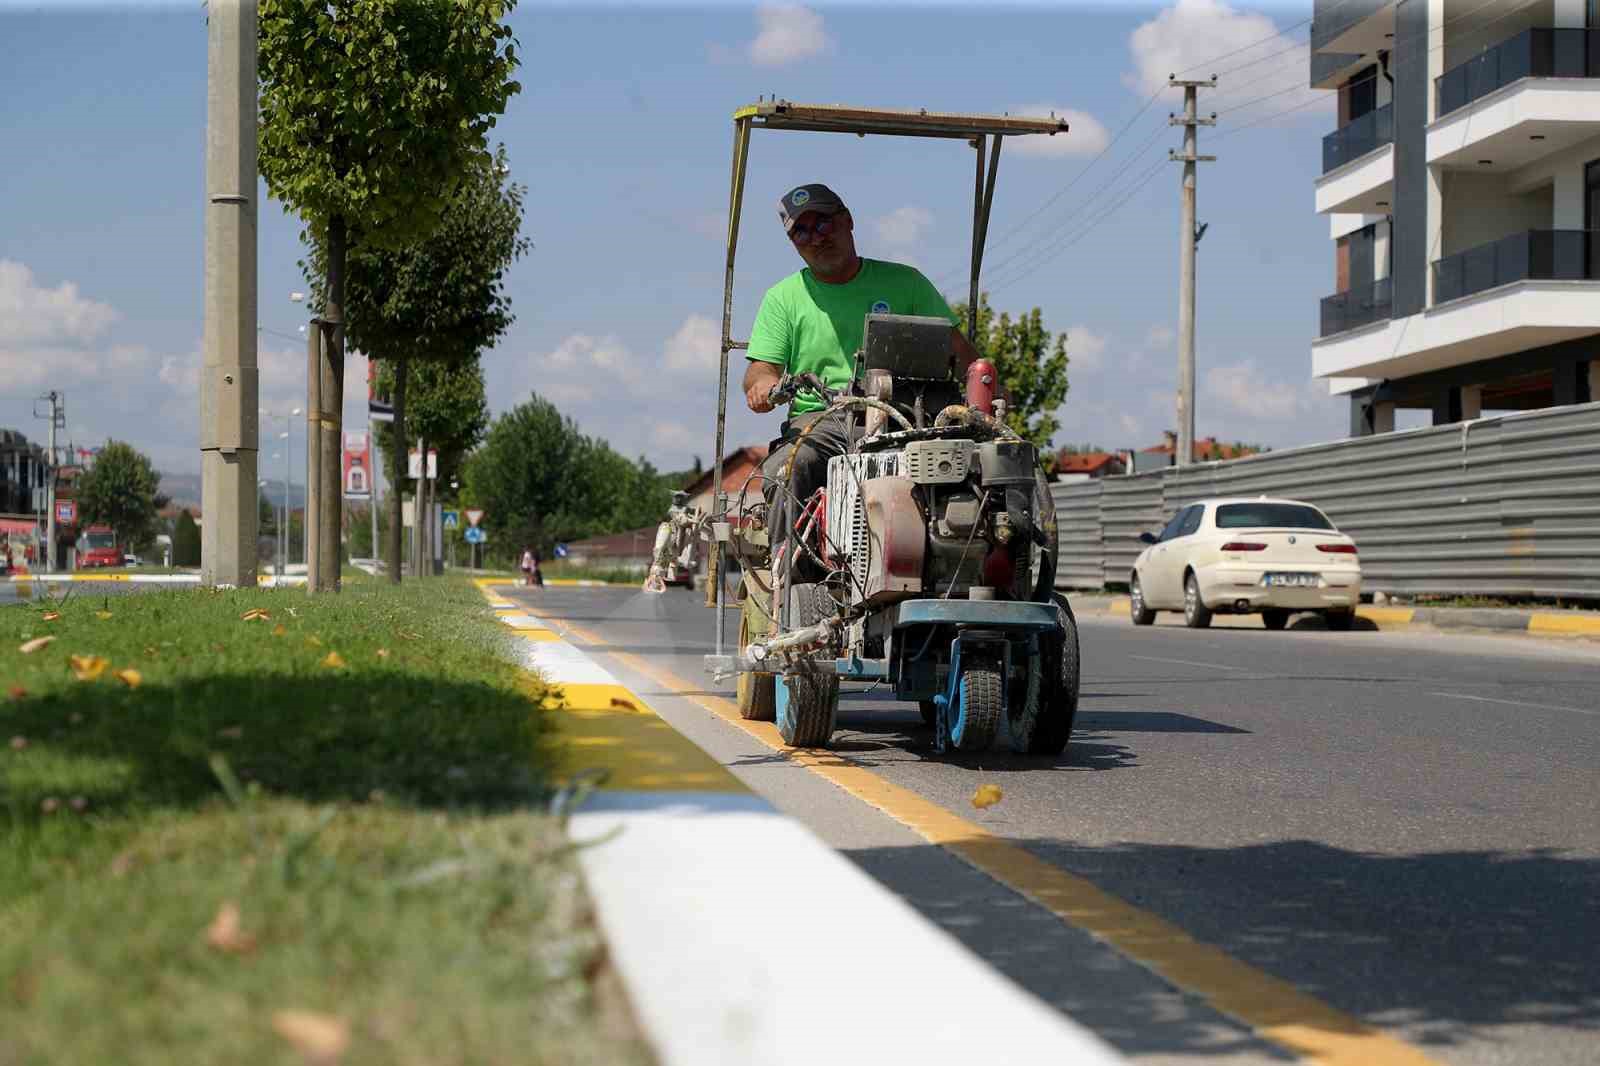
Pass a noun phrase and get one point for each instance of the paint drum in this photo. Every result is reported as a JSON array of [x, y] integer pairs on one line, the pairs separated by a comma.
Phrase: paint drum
[[981, 384]]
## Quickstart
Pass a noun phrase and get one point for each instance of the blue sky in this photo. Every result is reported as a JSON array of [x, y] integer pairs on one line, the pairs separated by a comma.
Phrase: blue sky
[[623, 135]]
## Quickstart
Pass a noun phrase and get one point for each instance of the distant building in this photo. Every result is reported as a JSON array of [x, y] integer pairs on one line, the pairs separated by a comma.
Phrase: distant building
[[737, 467], [631, 550], [1206, 450], [1462, 192], [22, 471], [1081, 466]]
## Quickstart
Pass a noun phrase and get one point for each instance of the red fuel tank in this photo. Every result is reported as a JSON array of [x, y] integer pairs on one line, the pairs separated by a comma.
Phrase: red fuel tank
[[982, 381]]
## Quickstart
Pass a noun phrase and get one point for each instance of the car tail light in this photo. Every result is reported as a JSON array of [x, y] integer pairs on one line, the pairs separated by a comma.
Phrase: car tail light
[[1337, 549], [1244, 546]]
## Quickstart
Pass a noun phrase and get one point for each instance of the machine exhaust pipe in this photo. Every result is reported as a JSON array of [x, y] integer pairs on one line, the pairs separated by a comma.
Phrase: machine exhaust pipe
[[1241, 606]]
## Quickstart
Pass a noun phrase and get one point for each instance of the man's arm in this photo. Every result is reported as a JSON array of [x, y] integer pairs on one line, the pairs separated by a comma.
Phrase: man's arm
[[759, 377]]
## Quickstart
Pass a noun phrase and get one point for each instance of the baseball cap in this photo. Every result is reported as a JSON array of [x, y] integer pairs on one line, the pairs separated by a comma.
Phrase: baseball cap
[[802, 198]]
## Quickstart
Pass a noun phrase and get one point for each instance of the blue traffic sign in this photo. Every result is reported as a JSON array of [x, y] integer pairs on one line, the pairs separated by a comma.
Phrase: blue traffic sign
[[561, 551], [475, 535], [452, 519]]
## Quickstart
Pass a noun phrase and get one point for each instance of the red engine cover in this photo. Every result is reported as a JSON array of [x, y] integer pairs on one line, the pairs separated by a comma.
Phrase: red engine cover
[[982, 380]]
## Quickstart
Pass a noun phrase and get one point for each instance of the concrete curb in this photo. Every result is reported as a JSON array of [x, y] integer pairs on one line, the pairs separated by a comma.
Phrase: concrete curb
[[688, 870], [263, 580], [1512, 620]]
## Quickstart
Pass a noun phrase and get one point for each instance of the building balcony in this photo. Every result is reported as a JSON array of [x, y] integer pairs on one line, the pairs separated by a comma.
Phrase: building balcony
[[1354, 308], [1527, 97], [1358, 166], [1543, 255], [1533, 53]]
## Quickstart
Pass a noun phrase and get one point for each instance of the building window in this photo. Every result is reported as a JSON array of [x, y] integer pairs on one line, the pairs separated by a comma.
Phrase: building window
[[1591, 210], [1358, 96]]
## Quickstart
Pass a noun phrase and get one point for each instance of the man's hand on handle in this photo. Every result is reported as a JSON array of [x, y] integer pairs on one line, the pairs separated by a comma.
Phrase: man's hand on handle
[[759, 380]]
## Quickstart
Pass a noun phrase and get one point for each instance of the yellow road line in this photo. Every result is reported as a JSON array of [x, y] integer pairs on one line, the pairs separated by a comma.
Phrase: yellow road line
[[1276, 1010]]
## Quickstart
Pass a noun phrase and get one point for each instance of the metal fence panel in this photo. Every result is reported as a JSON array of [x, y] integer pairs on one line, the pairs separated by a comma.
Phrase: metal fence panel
[[1500, 506], [1080, 561]]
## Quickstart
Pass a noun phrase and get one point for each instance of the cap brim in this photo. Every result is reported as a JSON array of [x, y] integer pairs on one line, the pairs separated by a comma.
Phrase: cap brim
[[821, 209]]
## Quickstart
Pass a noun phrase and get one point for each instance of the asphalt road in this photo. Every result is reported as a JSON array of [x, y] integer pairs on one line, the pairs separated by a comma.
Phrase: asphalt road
[[1403, 826]]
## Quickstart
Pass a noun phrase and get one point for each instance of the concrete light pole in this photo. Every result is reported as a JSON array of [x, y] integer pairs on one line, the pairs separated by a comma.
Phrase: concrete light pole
[[229, 377], [1187, 239]]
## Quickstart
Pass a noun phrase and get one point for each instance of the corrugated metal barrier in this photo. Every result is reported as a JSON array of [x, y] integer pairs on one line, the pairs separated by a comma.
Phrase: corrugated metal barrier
[[1503, 506]]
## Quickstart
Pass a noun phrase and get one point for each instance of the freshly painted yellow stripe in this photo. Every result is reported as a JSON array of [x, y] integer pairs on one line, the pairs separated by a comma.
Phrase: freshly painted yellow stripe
[[1392, 616], [99, 577], [1569, 624], [607, 727], [537, 634], [1276, 1010]]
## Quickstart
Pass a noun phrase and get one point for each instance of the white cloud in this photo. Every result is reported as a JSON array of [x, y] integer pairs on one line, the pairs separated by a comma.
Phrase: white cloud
[[1243, 390], [583, 351], [33, 315], [1086, 135], [1085, 348], [1159, 337], [697, 346], [788, 33], [1191, 32], [903, 226]]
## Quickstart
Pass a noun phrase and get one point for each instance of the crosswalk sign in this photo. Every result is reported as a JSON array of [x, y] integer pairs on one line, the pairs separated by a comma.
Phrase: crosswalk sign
[[452, 519]]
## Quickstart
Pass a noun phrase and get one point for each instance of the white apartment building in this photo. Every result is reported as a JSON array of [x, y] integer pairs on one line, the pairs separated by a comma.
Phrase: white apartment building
[[1462, 191]]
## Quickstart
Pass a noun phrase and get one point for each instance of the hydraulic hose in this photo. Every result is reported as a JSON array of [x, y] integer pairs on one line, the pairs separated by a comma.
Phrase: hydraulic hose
[[959, 415]]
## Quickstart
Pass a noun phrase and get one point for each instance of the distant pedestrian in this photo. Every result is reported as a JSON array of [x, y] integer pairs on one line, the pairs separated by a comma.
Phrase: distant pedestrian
[[538, 573], [527, 566]]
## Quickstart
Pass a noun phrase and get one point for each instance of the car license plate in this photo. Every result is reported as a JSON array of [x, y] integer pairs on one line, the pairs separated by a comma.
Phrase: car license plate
[[1291, 580]]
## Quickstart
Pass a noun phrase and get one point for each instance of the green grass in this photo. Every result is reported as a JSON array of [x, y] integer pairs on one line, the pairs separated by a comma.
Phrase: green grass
[[379, 833]]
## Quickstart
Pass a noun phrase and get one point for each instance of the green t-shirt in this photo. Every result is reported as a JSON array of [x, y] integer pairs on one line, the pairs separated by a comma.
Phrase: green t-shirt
[[808, 326]]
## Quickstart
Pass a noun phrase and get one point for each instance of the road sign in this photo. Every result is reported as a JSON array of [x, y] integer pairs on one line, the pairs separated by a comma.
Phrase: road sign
[[474, 515], [561, 551], [414, 464], [475, 535], [67, 512], [452, 519]]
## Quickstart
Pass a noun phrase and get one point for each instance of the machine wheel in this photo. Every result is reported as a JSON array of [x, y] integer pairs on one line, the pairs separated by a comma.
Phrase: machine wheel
[[807, 704], [974, 723], [1142, 615], [1340, 621], [755, 693], [1196, 615], [1275, 619], [930, 712], [1042, 723]]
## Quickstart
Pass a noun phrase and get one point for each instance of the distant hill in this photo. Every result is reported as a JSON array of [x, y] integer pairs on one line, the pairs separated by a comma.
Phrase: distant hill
[[184, 489]]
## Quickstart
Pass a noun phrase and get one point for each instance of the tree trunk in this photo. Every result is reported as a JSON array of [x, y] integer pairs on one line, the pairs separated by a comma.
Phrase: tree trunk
[[330, 519], [397, 471], [419, 499]]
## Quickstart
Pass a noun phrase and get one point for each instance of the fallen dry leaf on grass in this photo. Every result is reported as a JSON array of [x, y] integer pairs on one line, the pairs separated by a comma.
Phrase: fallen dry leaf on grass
[[986, 796], [131, 677], [89, 667], [51, 616], [18, 743], [103, 615], [279, 630], [31, 646], [254, 614], [321, 1038], [333, 661], [313, 642], [383, 653], [226, 934], [49, 805], [17, 692], [615, 701]]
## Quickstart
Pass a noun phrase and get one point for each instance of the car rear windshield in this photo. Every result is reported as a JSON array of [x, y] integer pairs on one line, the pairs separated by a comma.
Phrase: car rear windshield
[[1275, 515]]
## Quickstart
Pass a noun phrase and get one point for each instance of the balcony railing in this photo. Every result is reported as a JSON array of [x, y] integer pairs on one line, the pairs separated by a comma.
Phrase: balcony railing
[[1535, 53], [1540, 254], [1357, 307], [1358, 138]]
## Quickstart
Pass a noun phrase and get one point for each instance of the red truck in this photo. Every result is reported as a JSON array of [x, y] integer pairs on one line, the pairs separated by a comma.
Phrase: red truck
[[97, 547]]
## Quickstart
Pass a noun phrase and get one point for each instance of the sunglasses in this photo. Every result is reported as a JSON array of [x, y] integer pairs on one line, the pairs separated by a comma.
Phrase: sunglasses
[[806, 234]]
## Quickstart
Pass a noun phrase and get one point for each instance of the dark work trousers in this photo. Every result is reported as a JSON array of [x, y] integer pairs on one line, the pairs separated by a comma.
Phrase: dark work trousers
[[829, 435]]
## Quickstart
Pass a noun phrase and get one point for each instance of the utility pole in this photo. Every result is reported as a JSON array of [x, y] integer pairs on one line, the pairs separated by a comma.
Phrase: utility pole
[[313, 523], [58, 420], [229, 430], [1187, 239]]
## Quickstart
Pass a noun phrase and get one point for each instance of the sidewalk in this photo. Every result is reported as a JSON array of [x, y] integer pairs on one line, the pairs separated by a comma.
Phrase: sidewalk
[[1574, 623], [741, 937]]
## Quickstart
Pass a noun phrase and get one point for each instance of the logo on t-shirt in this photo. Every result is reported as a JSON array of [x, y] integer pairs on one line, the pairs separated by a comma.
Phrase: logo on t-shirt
[[800, 196], [881, 307]]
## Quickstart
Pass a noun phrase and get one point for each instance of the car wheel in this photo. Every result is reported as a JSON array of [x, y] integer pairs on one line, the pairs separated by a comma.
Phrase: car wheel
[[1340, 621], [1137, 610], [1274, 619], [1196, 615]]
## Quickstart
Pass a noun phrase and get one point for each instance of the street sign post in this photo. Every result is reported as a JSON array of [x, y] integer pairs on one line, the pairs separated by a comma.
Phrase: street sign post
[[474, 535], [67, 512], [561, 551]]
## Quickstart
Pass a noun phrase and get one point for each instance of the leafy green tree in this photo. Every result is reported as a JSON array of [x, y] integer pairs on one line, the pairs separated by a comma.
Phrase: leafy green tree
[[540, 480], [436, 302], [1032, 364], [121, 491], [371, 113], [185, 541]]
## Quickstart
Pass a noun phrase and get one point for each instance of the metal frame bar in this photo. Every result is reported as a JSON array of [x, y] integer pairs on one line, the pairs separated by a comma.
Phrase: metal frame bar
[[741, 155]]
